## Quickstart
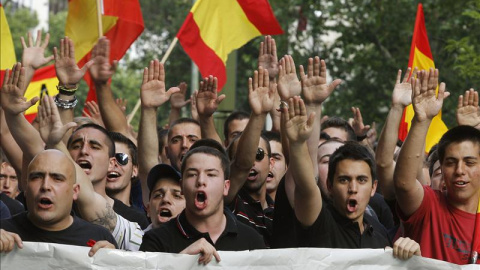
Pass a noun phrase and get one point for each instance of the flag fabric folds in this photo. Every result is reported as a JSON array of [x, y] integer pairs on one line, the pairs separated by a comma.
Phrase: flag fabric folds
[[7, 53], [122, 23], [214, 28], [421, 57]]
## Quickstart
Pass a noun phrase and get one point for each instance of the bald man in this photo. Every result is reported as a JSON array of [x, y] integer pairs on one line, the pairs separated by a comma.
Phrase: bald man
[[51, 190]]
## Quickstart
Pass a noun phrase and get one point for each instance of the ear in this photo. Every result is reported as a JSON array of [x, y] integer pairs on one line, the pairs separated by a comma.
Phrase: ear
[[374, 188], [76, 191], [226, 187], [134, 171]]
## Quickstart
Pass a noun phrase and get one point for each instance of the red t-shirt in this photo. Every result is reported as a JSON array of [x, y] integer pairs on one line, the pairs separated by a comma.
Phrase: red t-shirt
[[443, 231]]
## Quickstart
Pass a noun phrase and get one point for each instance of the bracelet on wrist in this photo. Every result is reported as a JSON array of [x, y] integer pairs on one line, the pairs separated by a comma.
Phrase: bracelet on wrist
[[65, 104], [67, 89]]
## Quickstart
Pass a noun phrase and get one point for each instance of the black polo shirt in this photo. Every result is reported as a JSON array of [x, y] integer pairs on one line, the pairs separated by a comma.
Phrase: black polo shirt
[[177, 234], [250, 212], [284, 233], [331, 230], [130, 213]]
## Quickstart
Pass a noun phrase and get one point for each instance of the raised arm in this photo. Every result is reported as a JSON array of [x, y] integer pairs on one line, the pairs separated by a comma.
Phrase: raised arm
[[14, 105], [33, 56], [260, 97], [153, 95], [401, 98], [69, 76], [298, 128], [207, 103], [468, 112], [426, 104], [9, 145], [177, 102]]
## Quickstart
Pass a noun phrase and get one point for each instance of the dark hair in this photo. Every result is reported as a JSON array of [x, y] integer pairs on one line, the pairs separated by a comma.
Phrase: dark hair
[[237, 115], [273, 136], [457, 134], [230, 152], [110, 144], [329, 141], [161, 133], [209, 147], [183, 120], [353, 151], [132, 148], [432, 158], [337, 122]]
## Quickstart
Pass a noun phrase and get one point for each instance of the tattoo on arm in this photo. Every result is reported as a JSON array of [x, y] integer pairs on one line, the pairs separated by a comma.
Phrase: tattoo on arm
[[106, 218]]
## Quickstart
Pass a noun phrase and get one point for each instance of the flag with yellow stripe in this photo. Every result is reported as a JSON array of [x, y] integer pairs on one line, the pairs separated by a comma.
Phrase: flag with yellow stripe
[[215, 28], [421, 58], [7, 53]]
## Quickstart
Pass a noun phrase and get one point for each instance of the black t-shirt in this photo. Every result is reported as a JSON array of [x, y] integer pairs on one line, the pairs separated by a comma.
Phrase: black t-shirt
[[382, 210], [130, 213], [78, 234], [331, 230], [14, 206], [177, 234], [284, 233], [251, 213]]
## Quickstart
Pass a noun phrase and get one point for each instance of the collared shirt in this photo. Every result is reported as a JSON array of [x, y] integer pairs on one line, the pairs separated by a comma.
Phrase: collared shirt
[[177, 234], [331, 230], [250, 212]]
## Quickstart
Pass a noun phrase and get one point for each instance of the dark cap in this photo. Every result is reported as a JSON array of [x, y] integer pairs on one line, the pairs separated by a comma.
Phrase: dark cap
[[160, 171]]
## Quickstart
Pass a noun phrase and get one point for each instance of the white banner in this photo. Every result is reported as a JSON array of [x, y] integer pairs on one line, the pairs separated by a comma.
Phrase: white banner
[[45, 256]]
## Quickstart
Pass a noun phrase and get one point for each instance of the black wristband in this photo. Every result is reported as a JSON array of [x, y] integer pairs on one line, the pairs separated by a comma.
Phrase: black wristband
[[66, 93]]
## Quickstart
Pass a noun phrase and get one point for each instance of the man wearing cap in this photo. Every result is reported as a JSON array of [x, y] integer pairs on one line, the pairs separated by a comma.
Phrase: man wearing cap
[[166, 198]]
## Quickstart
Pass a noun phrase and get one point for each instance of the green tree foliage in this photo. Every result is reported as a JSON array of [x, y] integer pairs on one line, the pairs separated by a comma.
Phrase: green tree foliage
[[20, 21]]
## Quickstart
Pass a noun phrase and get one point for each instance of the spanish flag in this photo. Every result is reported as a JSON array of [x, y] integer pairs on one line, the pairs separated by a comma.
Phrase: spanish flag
[[421, 57], [214, 28], [7, 52], [122, 23]]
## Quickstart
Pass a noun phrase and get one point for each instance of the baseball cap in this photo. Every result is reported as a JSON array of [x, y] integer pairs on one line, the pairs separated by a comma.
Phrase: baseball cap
[[161, 171]]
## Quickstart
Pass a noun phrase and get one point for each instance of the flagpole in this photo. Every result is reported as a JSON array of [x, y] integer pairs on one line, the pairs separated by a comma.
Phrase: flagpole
[[99, 18], [164, 59]]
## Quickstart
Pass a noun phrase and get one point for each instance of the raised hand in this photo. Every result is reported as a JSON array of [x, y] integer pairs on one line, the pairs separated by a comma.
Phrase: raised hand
[[267, 57], [288, 83], [152, 92], [298, 126], [92, 111], [314, 83], [34, 54], [101, 70], [357, 123], [177, 100], [426, 103], [68, 73], [207, 97], [468, 112], [51, 127], [12, 100], [402, 92], [260, 95], [193, 106]]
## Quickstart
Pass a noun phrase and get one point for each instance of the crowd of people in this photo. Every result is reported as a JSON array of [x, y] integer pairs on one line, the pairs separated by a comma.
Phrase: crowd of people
[[310, 181]]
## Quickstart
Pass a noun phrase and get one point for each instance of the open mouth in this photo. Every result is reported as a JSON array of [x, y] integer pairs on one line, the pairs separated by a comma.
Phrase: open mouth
[[201, 200], [352, 205], [252, 175], [45, 203], [113, 175], [84, 165], [165, 213], [270, 176], [460, 183]]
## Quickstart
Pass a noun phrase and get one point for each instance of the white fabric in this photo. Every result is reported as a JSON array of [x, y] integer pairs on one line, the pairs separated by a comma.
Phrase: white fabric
[[127, 234]]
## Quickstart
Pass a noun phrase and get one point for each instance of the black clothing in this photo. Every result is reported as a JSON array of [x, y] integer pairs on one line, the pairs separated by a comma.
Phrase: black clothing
[[331, 230], [178, 234], [14, 206], [78, 234], [284, 233], [130, 213], [250, 212], [382, 210], [4, 212]]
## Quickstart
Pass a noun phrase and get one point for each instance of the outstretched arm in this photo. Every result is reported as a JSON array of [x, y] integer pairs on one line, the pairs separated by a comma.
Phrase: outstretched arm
[[426, 104], [298, 127], [401, 97], [177, 102], [207, 102], [260, 97], [152, 95]]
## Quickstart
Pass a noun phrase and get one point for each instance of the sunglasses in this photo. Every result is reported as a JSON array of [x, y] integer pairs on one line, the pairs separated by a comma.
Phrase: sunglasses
[[121, 158], [260, 154]]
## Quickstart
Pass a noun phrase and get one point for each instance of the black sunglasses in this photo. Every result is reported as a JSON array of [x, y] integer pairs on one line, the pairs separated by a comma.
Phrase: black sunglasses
[[260, 154], [121, 158]]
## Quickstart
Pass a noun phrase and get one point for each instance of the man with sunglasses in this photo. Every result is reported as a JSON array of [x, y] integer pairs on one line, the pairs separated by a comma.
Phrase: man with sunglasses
[[247, 196], [121, 177]]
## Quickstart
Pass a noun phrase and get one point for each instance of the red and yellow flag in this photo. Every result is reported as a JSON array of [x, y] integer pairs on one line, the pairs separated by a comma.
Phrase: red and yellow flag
[[7, 52], [122, 23], [421, 57], [215, 28]]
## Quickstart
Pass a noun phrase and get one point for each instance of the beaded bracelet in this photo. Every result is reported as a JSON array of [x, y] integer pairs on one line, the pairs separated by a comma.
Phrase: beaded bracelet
[[65, 104], [67, 91]]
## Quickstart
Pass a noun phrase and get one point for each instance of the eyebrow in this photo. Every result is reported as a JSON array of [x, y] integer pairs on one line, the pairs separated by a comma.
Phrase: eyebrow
[[95, 142], [35, 175]]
